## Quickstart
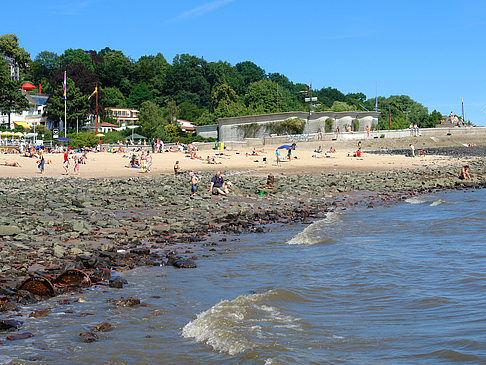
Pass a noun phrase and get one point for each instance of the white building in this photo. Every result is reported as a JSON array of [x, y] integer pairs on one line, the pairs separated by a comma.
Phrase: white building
[[29, 117]]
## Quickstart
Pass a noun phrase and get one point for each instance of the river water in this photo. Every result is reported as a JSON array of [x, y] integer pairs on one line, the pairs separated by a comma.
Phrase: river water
[[400, 284]]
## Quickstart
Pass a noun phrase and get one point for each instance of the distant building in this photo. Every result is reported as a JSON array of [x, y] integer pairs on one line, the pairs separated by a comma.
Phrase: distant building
[[29, 117], [13, 69], [186, 125], [124, 116], [108, 127]]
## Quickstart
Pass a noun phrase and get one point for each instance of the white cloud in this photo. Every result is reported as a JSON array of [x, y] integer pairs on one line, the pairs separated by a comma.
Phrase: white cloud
[[201, 10]]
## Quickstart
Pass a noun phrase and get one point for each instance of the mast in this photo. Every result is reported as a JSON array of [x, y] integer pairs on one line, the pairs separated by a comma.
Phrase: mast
[[65, 105], [96, 130]]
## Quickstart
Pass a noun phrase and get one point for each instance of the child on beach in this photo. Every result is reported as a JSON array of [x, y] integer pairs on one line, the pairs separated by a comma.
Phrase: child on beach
[[277, 153], [193, 181], [76, 165]]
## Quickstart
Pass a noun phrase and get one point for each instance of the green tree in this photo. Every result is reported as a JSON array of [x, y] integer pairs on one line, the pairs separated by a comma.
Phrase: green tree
[[250, 72], [9, 46], [139, 94], [150, 118], [434, 119], [329, 95], [223, 73], [11, 98], [186, 80], [264, 97], [76, 56], [341, 106], [112, 97], [115, 69], [190, 112], [172, 112], [44, 65], [77, 105], [224, 94]]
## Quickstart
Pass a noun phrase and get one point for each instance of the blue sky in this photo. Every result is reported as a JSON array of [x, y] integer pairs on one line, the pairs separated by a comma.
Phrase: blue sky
[[431, 50]]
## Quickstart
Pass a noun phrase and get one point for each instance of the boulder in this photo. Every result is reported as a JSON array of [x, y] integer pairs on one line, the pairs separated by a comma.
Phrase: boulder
[[88, 337], [9, 230], [9, 324], [102, 327]]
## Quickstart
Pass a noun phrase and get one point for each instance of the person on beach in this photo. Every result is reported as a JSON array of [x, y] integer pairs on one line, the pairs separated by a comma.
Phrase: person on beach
[[217, 185], [177, 168], [41, 162], [193, 181], [143, 162], [13, 164], [464, 173], [412, 150], [66, 163], [76, 165], [277, 154], [149, 161]]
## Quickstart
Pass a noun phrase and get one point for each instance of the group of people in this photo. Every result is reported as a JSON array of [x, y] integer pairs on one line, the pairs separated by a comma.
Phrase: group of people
[[414, 129], [144, 162], [289, 149], [217, 184]]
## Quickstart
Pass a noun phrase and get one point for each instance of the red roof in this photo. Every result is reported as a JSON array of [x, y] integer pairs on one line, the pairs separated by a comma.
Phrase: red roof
[[106, 124]]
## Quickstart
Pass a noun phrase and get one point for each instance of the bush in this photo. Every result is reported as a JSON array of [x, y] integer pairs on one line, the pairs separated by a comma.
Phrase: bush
[[249, 130], [328, 125], [83, 139], [355, 125], [288, 126], [382, 136]]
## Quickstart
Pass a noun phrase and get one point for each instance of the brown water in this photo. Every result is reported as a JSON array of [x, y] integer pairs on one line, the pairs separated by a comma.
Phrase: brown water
[[402, 284]]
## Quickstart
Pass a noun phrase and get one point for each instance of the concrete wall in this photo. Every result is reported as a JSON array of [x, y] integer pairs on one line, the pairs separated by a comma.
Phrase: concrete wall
[[207, 131], [230, 129]]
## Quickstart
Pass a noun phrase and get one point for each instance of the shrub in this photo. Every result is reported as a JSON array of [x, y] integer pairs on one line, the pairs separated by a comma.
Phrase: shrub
[[288, 126], [328, 125], [83, 139], [355, 125], [382, 136], [249, 130]]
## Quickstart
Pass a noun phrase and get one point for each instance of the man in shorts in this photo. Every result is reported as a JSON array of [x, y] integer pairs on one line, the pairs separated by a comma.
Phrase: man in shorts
[[66, 162]]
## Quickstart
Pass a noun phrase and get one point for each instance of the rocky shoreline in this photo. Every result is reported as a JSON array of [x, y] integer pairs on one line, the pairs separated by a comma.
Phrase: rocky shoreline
[[58, 235]]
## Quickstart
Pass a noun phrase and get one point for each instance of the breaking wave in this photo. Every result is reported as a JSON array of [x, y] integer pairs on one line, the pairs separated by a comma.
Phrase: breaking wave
[[241, 324], [314, 233]]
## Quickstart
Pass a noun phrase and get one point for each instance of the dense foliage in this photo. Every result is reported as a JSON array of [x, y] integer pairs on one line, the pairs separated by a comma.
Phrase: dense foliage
[[189, 88]]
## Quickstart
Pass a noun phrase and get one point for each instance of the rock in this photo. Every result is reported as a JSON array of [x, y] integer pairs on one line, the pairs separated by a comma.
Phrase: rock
[[9, 324], [88, 337], [181, 263], [102, 327], [117, 282], [20, 336], [9, 306], [40, 313], [140, 251], [59, 250], [100, 275], [9, 230], [127, 302]]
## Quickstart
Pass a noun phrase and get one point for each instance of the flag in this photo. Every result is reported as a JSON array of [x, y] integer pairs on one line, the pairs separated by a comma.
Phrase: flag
[[64, 86], [94, 92]]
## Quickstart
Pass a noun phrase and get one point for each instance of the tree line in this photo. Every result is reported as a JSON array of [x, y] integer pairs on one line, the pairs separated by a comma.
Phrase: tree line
[[188, 88]]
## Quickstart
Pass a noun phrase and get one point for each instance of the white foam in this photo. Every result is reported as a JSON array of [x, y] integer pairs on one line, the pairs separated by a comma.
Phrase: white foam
[[415, 201], [235, 326], [437, 202], [312, 234]]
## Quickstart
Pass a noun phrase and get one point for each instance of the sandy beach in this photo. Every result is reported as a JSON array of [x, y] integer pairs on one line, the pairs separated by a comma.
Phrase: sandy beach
[[115, 165]]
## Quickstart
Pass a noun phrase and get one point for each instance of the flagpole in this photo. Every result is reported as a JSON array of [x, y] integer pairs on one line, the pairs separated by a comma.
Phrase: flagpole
[[463, 120], [96, 131], [65, 105]]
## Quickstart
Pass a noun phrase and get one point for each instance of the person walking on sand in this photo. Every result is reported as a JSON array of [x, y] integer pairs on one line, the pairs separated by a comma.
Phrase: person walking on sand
[[41, 162], [412, 150], [66, 162], [149, 161], [277, 154], [193, 181]]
